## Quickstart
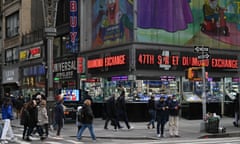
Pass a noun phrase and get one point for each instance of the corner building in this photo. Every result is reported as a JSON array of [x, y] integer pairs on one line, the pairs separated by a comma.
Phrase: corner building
[[147, 47]]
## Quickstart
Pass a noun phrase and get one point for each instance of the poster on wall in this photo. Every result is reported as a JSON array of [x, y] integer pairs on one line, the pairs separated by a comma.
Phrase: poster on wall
[[112, 22], [215, 23]]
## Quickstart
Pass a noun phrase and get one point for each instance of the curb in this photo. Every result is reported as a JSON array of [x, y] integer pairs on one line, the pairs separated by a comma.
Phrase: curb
[[221, 135]]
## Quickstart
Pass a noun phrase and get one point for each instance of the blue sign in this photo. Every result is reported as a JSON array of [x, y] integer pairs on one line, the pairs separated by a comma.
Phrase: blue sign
[[74, 33]]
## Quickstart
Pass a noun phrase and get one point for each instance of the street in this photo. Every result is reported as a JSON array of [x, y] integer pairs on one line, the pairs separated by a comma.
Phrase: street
[[189, 131]]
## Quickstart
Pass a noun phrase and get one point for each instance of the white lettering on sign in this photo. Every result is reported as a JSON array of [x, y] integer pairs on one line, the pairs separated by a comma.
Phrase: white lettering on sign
[[65, 66]]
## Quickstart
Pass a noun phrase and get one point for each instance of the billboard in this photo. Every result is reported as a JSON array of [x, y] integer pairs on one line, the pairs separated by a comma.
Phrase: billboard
[[215, 23], [112, 22]]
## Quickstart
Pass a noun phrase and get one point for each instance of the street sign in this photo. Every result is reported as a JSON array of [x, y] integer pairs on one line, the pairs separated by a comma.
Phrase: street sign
[[204, 56], [201, 49]]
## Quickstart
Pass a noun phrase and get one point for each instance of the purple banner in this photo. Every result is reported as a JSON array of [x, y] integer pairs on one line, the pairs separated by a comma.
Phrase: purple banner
[[74, 33], [170, 15]]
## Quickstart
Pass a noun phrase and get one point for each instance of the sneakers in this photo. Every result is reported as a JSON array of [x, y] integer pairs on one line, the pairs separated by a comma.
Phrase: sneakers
[[131, 127], [158, 135], [177, 136], [235, 124], [148, 126]]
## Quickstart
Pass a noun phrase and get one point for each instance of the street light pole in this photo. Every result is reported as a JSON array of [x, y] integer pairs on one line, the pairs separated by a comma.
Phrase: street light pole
[[49, 15]]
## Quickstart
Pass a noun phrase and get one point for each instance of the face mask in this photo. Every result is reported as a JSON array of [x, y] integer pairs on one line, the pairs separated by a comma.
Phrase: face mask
[[174, 100]]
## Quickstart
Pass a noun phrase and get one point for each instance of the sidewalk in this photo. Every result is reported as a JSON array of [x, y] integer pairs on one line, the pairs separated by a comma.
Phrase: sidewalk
[[189, 129]]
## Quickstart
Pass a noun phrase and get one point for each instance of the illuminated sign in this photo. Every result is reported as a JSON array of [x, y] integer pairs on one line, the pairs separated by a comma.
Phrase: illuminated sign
[[65, 69], [108, 62], [31, 53], [74, 36], [157, 59], [80, 65]]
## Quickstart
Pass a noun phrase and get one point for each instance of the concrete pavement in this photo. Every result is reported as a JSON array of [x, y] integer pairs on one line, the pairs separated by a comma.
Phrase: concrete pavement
[[189, 129]]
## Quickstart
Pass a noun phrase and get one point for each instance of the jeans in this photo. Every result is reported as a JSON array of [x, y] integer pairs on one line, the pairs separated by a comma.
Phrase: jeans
[[90, 128], [7, 129], [152, 114]]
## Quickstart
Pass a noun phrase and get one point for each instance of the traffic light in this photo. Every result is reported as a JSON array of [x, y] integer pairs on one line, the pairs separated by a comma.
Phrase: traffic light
[[194, 73]]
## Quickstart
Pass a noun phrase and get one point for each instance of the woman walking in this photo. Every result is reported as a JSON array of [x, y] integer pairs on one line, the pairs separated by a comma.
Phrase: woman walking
[[24, 119], [7, 116], [59, 114], [43, 117], [152, 112], [87, 120]]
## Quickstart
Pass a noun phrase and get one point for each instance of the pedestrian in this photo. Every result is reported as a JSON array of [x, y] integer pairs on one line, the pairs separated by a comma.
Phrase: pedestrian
[[24, 119], [111, 113], [121, 109], [86, 120], [151, 111], [236, 110], [43, 117], [19, 105], [174, 107], [168, 100], [33, 113], [161, 115], [78, 118], [59, 114], [7, 116]]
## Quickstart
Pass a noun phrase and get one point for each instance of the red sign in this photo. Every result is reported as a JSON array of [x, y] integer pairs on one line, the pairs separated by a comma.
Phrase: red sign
[[80, 65], [157, 59], [107, 61]]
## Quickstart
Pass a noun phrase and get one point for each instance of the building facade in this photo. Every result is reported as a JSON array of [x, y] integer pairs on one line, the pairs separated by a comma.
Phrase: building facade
[[101, 45]]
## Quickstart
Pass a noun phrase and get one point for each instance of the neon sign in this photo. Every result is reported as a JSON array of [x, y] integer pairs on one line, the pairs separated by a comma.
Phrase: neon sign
[[156, 59], [108, 61]]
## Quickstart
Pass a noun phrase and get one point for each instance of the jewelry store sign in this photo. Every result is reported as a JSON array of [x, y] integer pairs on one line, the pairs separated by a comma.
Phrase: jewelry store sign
[[167, 60]]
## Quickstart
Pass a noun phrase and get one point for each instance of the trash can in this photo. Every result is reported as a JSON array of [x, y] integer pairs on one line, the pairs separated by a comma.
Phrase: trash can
[[212, 125]]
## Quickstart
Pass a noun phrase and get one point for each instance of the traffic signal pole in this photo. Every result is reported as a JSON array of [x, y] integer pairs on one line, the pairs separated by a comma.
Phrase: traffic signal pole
[[204, 109]]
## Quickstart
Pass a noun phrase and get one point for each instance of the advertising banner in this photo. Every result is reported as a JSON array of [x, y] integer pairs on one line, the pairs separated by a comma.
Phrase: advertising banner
[[214, 23], [112, 22]]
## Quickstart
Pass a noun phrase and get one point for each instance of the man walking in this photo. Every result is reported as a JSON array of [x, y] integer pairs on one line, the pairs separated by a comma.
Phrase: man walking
[[174, 107]]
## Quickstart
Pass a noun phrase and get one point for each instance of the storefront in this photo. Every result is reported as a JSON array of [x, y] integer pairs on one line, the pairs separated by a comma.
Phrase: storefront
[[145, 70], [10, 81]]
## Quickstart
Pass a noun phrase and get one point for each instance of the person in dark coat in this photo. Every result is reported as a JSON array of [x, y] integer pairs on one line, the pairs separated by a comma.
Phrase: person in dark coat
[[174, 107], [24, 119], [121, 109], [152, 112], [33, 113], [236, 110], [111, 113], [161, 115], [59, 114], [86, 120], [19, 105]]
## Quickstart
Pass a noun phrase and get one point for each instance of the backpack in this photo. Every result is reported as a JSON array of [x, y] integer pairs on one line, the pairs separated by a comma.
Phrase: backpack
[[81, 116]]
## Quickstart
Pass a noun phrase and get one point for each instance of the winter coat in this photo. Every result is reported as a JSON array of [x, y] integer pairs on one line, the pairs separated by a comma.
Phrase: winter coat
[[121, 104], [24, 120], [111, 108], [42, 115], [87, 115], [7, 112], [236, 103], [151, 104], [33, 116], [174, 108], [161, 111], [59, 112]]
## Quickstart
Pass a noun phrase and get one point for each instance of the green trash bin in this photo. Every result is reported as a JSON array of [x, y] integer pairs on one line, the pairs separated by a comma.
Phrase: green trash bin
[[212, 125]]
